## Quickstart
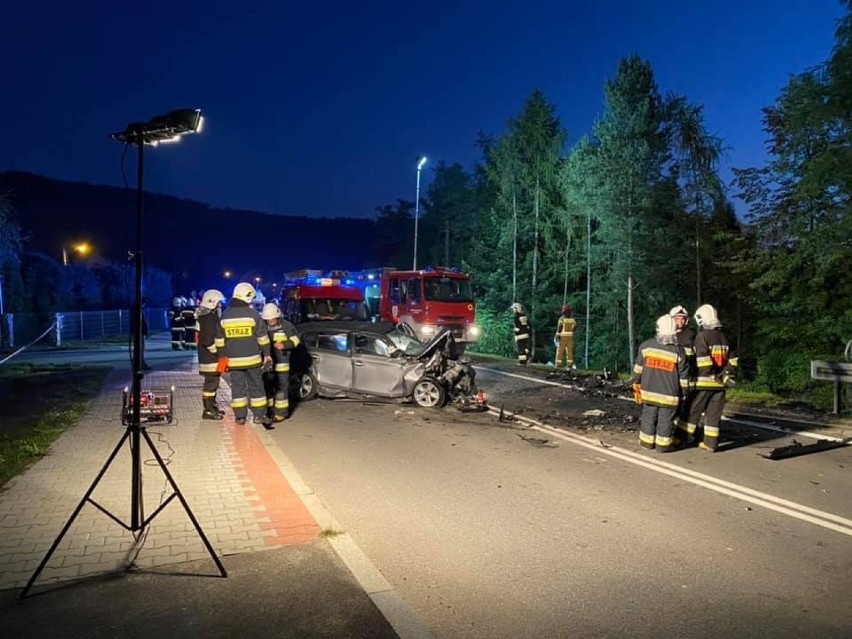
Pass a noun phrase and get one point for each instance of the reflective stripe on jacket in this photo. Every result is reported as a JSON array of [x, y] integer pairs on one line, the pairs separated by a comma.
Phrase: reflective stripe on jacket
[[714, 359], [246, 337], [662, 372], [565, 327], [211, 341]]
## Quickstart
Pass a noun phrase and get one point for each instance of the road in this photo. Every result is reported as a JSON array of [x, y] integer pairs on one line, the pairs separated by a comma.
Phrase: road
[[491, 528]]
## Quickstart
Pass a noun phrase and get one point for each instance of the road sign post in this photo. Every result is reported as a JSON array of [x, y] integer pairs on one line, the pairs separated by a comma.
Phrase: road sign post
[[837, 372]]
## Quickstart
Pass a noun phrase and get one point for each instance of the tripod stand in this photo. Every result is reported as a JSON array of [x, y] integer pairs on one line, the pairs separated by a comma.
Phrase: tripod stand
[[135, 432]]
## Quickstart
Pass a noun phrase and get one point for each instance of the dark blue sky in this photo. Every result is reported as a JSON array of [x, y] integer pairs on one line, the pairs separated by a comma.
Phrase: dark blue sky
[[321, 108]]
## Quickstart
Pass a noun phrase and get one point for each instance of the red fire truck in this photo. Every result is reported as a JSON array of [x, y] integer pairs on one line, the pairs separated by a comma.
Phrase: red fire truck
[[424, 301], [310, 295]]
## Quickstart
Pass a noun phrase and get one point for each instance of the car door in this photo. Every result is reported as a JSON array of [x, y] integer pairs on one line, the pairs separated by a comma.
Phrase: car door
[[331, 360], [374, 371]]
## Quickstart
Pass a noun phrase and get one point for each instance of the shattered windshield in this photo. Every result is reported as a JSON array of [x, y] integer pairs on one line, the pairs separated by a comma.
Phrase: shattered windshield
[[330, 309], [445, 289], [405, 343]]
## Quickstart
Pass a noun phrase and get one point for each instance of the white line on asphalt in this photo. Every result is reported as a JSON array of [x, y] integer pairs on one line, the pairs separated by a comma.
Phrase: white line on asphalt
[[778, 429], [399, 615], [792, 509]]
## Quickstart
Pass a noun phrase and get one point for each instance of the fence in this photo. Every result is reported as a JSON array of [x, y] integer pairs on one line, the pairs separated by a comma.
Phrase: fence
[[17, 329]]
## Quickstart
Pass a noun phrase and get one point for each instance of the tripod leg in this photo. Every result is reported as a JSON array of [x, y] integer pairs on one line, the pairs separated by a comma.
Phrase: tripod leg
[[186, 507], [76, 512]]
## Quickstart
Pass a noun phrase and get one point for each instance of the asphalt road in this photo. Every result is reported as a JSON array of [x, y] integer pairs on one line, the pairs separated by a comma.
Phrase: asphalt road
[[513, 529], [499, 529]]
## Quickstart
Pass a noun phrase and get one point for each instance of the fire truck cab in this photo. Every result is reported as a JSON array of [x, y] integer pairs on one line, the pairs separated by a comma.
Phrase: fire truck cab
[[309, 296], [427, 300]]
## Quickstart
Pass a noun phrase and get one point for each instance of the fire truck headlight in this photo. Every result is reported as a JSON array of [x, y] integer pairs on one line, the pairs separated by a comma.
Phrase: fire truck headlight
[[473, 331], [428, 330]]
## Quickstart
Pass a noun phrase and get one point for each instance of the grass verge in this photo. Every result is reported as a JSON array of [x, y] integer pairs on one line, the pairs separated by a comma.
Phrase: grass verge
[[38, 403]]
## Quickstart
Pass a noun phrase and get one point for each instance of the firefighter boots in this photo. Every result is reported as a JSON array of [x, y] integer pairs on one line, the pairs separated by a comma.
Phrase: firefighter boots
[[211, 411]]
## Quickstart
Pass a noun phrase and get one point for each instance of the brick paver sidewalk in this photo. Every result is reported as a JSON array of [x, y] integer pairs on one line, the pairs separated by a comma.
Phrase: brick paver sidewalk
[[234, 488]]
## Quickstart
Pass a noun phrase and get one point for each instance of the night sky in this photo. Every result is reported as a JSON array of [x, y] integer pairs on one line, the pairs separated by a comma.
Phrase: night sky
[[321, 108]]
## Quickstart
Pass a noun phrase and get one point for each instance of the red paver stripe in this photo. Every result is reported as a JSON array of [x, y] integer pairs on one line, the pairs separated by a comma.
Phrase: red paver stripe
[[291, 521]]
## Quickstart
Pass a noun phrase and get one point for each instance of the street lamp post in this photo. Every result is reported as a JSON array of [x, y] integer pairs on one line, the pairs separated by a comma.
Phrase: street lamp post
[[81, 248], [417, 209]]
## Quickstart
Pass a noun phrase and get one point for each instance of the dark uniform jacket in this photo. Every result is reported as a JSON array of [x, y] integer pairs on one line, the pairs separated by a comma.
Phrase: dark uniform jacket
[[284, 334], [211, 341], [662, 373], [716, 363], [686, 339], [522, 326], [246, 338]]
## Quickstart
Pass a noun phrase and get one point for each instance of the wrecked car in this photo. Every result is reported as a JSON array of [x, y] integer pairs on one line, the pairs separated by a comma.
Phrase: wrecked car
[[357, 359]]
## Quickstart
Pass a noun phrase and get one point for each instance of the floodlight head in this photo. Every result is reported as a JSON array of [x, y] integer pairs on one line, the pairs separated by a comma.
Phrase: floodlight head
[[421, 163], [163, 128]]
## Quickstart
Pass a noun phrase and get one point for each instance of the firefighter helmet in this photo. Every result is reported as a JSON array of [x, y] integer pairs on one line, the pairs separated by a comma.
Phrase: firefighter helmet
[[517, 307], [666, 326], [245, 292], [705, 317], [679, 311], [176, 301], [566, 310], [270, 311], [211, 299]]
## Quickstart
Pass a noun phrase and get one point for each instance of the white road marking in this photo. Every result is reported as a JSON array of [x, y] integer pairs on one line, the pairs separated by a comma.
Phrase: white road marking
[[778, 429], [771, 502]]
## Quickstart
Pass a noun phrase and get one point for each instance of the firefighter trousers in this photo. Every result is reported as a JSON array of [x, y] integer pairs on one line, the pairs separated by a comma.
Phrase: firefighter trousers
[[522, 342], [210, 386], [277, 384], [247, 391], [177, 338], [711, 403], [655, 426], [566, 350]]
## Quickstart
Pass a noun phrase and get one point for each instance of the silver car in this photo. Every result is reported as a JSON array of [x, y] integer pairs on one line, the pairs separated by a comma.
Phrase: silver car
[[354, 359]]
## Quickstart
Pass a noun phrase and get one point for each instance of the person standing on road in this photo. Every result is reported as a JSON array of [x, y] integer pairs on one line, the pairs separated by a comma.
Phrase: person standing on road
[[283, 336], [211, 346], [247, 350], [686, 339], [190, 325], [565, 328], [716, 371], [522, 333], [660, 379], [176, 323]]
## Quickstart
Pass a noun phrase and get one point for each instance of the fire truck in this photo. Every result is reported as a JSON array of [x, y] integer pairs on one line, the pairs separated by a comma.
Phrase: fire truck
[[423, 301], [311, 295]]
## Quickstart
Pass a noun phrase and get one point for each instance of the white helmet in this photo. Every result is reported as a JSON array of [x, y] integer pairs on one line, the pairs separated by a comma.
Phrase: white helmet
[[211, 299], [679, 310], [176, 301], [517, 307], [270, 311], [245, 292], [666, 326], [705, 317]]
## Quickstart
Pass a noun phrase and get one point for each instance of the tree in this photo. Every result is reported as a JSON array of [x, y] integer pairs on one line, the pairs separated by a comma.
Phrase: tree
[[393, 244], [449, 215]]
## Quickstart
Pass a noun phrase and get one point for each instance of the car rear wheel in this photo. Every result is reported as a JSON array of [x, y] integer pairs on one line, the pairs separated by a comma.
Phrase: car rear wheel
[[429, 393], [304, 385]]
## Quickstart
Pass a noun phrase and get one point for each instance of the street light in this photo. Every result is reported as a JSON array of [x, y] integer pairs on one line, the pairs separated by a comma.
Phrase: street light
[[80, 248], [417, 209]]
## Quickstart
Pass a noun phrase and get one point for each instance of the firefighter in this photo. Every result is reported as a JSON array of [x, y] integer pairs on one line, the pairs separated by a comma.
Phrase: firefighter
[[176, 323], [211, 345], [522, 333], [565, 334], [716, 371], [247, 350], [283, 337], [190, 325], [686, 338], [660, 379]]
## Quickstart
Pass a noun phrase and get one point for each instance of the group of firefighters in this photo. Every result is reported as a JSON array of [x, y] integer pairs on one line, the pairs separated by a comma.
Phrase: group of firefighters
[[253, 347], [679, 375]]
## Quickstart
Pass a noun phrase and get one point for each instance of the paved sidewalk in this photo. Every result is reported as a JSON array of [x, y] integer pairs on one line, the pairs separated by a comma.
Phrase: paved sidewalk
[[281, 569]]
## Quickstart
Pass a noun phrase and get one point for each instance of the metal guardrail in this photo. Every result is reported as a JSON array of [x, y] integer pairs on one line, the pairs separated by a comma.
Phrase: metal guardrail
[[22, 328]]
